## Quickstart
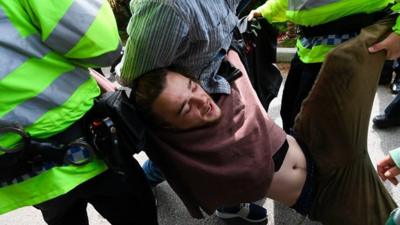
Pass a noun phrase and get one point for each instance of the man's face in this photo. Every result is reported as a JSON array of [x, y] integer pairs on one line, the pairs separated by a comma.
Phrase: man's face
[[183, 104]]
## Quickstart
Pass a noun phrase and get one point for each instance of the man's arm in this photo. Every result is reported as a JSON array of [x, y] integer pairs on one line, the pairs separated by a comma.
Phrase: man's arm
[[392, 43], [156, 31], [85, 32]]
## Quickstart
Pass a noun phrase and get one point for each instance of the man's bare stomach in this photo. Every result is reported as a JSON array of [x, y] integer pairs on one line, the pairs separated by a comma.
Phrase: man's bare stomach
[[288, 182]]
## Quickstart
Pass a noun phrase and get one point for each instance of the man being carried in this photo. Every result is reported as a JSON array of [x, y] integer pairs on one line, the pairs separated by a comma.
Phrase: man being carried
[[224, 152]]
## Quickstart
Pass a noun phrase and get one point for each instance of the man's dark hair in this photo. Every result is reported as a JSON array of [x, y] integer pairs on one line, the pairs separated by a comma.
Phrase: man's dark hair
[[146, 90]]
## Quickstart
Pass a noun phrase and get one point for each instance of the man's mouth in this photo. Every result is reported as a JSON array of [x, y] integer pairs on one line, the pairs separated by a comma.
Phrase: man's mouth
[[209, 108]]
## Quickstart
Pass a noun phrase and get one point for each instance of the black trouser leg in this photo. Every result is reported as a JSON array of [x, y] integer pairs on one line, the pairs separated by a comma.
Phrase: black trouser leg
[[65, 210], [121, 199], [129, 202], [393, 109], [298, 84]]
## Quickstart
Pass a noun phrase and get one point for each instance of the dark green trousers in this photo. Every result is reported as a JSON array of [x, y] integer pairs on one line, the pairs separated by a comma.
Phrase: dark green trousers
[[333, 123]]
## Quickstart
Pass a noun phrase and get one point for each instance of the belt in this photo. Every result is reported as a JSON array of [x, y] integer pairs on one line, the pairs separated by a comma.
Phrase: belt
[[345, 25], [32, 155], [280, 155]]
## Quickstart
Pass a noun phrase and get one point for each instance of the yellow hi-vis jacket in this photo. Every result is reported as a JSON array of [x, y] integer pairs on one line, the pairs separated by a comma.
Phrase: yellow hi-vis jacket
[[46, 48], [316, 12]]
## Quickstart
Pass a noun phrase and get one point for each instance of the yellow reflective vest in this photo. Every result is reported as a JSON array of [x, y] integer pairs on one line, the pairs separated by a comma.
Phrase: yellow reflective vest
[[316, 12], [46, 48]]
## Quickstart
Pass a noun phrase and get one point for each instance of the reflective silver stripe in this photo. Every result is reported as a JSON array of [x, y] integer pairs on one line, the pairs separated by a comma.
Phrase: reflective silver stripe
[[307, 4], [53, 96], [74, 24], [105, 59], [14, 49]]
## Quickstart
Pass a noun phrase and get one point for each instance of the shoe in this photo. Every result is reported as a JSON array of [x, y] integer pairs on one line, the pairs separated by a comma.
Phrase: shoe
[[383, 121], [248, 211], [395, 87]]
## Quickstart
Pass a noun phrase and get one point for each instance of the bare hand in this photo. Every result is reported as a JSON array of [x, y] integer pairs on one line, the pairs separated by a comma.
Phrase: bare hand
[[253, 14], [387, 169], [391, 44]]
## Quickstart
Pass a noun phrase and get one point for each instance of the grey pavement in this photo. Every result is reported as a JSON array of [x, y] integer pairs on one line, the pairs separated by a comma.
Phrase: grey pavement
[[172, 212]]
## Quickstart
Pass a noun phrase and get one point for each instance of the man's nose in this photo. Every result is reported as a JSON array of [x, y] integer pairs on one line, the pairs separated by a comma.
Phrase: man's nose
[[199, 99]]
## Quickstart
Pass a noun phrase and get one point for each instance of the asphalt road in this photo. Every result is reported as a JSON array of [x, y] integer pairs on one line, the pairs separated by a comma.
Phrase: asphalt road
[[172, 212]]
